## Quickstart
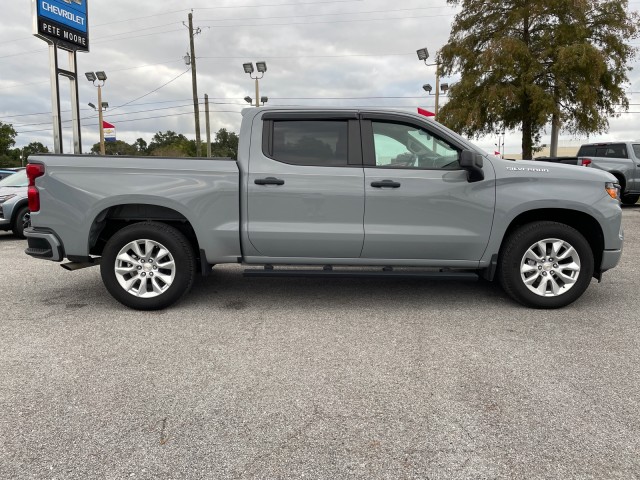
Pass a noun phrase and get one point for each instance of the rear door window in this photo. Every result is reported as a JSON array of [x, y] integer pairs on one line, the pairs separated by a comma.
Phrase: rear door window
[[636, 150], [322, 143]]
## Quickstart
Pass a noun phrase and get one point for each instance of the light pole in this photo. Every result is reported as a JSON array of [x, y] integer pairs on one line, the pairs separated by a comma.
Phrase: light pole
[[100, 78], [423, 54], [262, 68]]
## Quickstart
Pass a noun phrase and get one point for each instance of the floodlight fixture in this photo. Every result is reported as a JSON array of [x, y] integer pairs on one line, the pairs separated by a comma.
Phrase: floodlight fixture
[[444, 87], [91, 76], [248, 68], [261, 66], [264, 99], [427, 88], [423, 54], [105, 105], [248, 99], [91, 105], [101, 76]]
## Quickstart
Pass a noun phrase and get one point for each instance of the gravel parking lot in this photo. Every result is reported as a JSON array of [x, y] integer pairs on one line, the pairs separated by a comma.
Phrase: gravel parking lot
[[291, 378]]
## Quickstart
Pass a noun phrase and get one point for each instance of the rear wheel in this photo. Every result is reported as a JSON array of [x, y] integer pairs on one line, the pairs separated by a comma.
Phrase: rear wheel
[[629, 199], [22, 221], [546, 265], [148, 266]]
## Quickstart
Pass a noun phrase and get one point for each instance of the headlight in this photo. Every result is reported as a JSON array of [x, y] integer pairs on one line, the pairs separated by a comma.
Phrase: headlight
[[4, 198], [613, 189]]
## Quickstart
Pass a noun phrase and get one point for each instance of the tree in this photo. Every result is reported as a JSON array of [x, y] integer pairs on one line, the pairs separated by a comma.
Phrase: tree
[[141, 146], [524, 61], [171, 144], [116, 148], [7, 138], [34, 147], [9, 157], [226, 144]]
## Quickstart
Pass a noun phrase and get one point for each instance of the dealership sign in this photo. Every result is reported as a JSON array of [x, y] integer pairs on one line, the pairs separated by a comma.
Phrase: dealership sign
[[63, 22]]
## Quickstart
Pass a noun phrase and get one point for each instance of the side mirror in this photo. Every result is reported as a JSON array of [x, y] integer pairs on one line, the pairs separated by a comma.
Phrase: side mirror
[[472, 162]]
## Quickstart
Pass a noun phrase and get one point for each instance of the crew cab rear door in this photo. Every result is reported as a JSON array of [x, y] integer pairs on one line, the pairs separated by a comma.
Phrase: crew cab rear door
[[418, 201], [306, 186]]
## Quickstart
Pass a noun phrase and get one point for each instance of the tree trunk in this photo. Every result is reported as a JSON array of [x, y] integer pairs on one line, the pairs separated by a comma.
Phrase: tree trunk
[[527, 139]]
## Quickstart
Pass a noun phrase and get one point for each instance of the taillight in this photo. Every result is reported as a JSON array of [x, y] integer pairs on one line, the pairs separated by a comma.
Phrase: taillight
[[585, 162], [34, 170]]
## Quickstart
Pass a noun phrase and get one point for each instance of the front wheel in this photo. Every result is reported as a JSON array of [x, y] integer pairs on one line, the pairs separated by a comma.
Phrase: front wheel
[[629, 199], [148, 266], [546, 265]]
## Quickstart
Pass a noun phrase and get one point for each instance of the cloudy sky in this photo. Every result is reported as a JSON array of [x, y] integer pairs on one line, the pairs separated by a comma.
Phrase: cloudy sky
[[318, 53]]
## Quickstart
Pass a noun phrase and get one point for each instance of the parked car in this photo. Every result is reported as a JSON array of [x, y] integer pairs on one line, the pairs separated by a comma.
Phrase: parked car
[[4, 173], [14, 209], [330, 188]]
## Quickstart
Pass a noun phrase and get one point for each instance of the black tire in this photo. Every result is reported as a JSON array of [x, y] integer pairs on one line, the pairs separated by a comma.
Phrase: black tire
[[20, 222], [629, 199], [519, 242], [173, 241]]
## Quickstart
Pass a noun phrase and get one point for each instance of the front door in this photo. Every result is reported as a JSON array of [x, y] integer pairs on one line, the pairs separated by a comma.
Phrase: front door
[[305, 187], [418, 201]]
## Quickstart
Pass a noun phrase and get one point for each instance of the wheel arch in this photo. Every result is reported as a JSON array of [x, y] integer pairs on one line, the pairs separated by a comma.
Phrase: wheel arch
[[113, 218], [584, 223], [16, 208]]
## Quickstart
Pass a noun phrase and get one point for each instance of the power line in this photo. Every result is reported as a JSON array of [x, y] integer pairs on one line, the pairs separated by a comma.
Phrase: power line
[[273, 17], [137, 119], [227, 7], [325, 14], [152, 91]]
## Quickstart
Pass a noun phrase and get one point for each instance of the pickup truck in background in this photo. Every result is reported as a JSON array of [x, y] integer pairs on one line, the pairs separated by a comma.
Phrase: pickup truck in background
[[622, 159], [332, 192]]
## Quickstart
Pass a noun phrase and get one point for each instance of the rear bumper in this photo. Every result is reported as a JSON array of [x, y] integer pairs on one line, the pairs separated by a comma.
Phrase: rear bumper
[[44, 244]]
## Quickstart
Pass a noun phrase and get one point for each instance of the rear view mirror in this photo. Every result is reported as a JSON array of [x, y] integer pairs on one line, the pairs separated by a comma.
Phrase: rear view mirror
[[472, 162]]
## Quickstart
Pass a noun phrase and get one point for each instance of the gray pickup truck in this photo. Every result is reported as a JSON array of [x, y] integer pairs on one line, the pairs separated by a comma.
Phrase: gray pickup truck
[[622, 159], [334, 193]]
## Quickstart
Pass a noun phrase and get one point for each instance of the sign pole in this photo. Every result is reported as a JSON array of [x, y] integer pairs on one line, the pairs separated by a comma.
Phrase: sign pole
[[63, 24], [75, 104], [55, 99]]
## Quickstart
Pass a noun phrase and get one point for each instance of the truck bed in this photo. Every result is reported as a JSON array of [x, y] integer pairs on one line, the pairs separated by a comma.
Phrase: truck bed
[[78, 191]]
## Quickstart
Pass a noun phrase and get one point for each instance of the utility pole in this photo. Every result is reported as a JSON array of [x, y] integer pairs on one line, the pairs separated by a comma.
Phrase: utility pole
[[194, 80], [101, 121], [208, 125], [437, 90]]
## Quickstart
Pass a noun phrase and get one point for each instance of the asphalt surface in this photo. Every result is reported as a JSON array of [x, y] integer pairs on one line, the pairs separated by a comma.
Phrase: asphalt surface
[[309, 378]]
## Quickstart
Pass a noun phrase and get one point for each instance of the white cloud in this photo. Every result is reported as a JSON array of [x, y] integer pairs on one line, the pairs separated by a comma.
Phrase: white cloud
[[302, 44]]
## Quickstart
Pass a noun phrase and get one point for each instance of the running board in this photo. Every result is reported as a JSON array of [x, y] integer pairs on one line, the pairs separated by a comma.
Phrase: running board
[[446, 275], [73, 266]]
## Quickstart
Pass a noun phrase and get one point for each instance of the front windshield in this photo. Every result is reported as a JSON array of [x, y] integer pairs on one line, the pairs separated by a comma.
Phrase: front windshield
[[16, 180]]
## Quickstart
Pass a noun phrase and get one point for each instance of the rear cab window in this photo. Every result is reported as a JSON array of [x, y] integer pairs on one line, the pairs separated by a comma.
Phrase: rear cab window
[[604, 150]]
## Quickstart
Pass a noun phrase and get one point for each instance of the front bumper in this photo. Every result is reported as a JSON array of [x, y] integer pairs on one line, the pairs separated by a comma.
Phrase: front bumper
[[610, 259], [44, 244], [5, 223]]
